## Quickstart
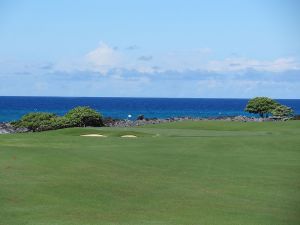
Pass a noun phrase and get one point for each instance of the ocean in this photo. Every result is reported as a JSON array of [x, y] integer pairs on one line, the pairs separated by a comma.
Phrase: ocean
[[12, 108]]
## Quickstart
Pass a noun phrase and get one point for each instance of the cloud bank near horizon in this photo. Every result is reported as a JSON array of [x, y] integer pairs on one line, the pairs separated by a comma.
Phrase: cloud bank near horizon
[[105, 58], [115, 71]]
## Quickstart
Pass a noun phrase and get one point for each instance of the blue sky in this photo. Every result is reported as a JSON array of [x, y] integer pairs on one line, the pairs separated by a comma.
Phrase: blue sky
[[213, 48]]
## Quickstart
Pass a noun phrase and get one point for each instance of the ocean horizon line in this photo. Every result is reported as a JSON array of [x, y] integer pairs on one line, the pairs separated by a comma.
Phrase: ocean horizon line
[[138, 97]]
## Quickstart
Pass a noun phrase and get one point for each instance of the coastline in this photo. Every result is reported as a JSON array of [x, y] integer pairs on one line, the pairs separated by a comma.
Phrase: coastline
[[7, 128], [13, 108]]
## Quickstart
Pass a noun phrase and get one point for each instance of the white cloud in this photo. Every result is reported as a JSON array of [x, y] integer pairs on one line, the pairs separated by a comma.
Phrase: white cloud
[[106, 59], [103, 58], [192, 73], [244, 64], [247, 88]]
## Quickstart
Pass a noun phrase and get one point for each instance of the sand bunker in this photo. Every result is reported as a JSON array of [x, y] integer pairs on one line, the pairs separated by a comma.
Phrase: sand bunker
[[93, 135], [129, 136]]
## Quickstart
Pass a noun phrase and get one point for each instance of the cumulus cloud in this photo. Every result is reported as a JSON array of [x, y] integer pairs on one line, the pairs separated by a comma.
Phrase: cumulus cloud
[[103, 58]]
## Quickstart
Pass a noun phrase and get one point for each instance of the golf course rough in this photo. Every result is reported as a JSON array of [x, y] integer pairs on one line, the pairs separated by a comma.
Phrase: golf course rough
[[185, 173]]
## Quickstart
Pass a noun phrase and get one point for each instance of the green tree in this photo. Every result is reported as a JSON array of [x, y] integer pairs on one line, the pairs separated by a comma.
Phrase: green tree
[[282, 111], [83, 116], [261, 105]]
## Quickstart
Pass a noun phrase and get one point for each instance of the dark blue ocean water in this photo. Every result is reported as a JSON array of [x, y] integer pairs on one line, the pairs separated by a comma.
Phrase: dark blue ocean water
[[12, 108]]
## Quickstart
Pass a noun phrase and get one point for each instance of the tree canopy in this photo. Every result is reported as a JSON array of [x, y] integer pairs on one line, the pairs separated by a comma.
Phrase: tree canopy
[[261, 105], [265, 106], [282, 111]]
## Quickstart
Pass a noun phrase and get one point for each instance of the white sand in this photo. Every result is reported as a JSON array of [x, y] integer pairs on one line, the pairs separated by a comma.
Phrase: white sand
[[129, 136], [93, 135]]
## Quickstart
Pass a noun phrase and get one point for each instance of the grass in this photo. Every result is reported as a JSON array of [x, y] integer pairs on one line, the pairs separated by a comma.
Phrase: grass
[[184, 173]]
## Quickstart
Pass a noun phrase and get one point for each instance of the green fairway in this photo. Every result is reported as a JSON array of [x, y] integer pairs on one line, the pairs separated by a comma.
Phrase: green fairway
[[183, 173]]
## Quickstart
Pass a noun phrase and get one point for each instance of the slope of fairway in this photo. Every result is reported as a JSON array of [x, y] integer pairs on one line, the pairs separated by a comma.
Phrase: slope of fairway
[[184, 173]]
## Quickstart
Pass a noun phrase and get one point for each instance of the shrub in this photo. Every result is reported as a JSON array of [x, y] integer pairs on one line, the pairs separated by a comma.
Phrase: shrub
[[77, 117], [83, 116], [140, 117], [38, 121], [60, 122]]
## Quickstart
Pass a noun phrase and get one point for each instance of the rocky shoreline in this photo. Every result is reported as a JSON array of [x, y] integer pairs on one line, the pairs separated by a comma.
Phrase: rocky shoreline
[[7, 128], [110, 122]]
